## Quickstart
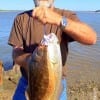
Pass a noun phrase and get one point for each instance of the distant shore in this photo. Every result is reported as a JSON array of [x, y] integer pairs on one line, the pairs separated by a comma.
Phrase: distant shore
[[28, 9], [10, 10], [97, 11]]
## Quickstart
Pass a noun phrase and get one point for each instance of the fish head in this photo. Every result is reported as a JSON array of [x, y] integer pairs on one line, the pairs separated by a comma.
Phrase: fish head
[[53, 48]]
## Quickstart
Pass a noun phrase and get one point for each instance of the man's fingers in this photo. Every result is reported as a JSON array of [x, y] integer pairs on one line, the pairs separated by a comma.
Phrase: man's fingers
[[35, 11], [40, 13]]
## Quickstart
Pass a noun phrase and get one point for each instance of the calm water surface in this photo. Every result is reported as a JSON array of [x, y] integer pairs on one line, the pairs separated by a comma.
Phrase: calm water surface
[[79, 54]]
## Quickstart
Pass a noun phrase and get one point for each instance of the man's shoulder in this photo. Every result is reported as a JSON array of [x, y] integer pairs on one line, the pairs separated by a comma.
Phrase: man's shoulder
[[67, 13], [24, 14], [28, 12], [64, 11]]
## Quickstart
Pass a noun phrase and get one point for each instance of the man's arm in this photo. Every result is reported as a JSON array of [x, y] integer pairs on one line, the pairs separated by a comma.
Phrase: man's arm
[[21, 58], [79, 31]]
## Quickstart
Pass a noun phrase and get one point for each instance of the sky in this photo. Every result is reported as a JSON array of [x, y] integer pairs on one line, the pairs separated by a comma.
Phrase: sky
[[77, 5]]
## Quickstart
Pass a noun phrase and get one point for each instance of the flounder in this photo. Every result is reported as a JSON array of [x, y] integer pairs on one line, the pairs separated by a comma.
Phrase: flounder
[[45, 70]]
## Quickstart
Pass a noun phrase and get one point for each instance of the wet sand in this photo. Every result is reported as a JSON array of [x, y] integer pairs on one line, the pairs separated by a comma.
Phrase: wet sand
[[83, 83], [83, 75]]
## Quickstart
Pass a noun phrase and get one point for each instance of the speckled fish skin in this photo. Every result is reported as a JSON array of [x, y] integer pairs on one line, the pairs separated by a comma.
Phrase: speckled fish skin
[[45, 72]]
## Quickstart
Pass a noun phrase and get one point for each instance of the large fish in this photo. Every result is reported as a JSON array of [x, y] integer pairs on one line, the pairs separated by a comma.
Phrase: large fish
[[45, 70]]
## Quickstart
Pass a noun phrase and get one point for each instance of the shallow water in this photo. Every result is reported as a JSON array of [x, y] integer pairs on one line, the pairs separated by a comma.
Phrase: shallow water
[[86, 55]]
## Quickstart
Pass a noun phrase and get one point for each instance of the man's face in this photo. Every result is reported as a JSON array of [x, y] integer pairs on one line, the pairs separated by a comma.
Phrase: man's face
[[47, 3]]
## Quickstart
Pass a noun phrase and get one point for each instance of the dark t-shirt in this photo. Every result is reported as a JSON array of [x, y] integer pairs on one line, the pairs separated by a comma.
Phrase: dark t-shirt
[[27, 32]]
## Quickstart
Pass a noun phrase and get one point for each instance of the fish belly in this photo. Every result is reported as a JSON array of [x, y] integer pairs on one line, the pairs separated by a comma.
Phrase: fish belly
[[45, 72]]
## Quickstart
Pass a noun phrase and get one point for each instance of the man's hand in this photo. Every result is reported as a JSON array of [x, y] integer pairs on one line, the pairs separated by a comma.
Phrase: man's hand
[[46, 15], [21, 58]]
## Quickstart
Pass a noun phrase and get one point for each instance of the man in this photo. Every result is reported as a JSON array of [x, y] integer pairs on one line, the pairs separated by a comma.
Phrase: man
[[28, 30]]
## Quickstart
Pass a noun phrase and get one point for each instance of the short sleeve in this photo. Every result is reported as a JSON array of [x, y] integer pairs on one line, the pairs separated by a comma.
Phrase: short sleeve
[[15, 38], [71, 15]]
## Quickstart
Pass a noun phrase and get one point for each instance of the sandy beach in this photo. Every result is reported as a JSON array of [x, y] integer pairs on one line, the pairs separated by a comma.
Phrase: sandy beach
[[83, 83], [83, 75]]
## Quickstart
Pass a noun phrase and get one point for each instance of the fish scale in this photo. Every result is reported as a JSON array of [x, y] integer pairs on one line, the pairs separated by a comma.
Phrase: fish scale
[[44, 74]]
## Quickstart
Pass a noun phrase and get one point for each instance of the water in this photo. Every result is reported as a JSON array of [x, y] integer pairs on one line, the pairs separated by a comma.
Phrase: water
[[90, 55], [83, 55], [6, 21]]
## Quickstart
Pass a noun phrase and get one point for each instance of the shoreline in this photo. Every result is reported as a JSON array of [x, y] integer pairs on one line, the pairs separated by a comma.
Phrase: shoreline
[[78, 88], [29, 9], [11, 10]]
